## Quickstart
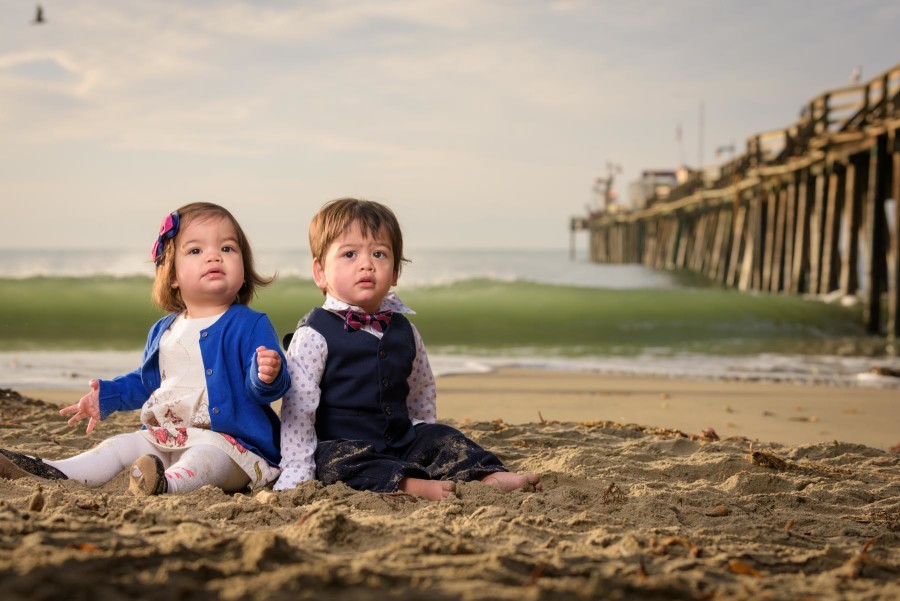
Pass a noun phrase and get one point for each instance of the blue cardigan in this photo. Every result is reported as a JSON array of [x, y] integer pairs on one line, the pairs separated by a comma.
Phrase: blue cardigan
[[238, 400]]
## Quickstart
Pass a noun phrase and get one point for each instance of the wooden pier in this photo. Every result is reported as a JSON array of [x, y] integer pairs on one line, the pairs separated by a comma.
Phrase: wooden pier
[[811, 208]]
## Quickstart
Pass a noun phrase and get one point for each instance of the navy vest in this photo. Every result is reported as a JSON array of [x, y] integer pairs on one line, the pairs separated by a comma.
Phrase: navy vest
[[365, 384]]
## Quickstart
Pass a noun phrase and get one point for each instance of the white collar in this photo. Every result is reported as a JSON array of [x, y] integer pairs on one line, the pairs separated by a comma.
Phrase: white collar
[[390, 302]]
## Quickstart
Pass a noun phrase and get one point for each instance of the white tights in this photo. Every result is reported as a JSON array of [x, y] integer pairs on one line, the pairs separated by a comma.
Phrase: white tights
[[186, 469]]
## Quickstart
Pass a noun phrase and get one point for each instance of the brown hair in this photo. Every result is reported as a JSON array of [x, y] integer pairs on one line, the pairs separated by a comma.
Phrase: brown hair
[[169, 298], [336, 216]]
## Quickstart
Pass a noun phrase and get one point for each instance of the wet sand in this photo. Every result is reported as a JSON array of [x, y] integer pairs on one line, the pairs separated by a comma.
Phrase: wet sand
[[758, 410], [773, 412]]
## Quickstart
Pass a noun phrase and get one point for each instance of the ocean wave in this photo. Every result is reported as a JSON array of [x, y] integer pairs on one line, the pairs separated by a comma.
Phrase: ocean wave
[[427, 268]]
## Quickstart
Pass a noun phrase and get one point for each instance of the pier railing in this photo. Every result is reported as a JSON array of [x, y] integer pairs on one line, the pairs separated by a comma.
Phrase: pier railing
[[809, 208]]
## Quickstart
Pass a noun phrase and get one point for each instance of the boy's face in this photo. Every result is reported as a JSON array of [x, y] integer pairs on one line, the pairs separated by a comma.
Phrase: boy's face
[[358, 269]]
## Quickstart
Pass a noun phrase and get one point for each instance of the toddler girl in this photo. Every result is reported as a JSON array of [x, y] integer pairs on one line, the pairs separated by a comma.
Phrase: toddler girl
[[209, 372]]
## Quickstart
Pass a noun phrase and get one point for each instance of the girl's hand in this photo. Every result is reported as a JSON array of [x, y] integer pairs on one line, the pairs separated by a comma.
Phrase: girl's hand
[[88, 407], [268, 363]]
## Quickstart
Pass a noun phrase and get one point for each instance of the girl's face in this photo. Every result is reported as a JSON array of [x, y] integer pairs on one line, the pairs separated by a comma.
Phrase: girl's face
[[358, 269], [209, 269]]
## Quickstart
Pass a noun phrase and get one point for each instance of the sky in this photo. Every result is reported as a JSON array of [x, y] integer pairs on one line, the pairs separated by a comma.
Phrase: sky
[[483, 124]]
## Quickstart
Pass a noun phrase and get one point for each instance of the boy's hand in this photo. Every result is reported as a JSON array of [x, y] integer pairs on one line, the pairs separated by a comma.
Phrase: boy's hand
[[269, 364], [88, 407]]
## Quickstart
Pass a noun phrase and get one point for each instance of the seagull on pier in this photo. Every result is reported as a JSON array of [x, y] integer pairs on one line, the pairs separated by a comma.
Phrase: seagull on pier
[[38, 16]]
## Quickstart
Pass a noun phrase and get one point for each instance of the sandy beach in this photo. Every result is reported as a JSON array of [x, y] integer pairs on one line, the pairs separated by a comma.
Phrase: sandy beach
[[653, 488], [758, 410]]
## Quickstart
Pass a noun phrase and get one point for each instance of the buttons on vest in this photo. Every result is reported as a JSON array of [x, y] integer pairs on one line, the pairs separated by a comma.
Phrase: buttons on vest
[[215, 410], [386, 383], [387, 410], [208, 372], [382, 353], [204, 334]]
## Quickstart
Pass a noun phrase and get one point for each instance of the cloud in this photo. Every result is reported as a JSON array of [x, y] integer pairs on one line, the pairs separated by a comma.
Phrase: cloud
[[491, 106]]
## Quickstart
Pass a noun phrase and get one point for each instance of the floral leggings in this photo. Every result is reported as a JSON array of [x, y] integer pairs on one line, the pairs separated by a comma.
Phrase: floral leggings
[[187, 469]]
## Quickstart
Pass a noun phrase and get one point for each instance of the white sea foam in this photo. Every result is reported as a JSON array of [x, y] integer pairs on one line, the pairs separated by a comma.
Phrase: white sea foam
[[824, 370], [71, 370]]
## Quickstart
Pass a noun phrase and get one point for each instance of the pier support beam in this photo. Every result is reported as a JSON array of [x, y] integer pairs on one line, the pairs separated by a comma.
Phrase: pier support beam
[[893, 258], [853, 196], [876, 269], [800, 270]]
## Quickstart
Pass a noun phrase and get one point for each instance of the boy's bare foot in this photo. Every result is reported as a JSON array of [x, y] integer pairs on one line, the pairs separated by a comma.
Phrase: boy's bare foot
[[509, 481], [433, 490]]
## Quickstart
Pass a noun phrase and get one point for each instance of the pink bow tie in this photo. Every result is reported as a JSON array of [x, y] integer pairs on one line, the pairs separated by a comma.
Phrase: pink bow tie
[[355, 320]]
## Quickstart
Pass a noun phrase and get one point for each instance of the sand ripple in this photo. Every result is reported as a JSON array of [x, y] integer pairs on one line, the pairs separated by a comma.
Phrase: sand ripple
[[626, 512]]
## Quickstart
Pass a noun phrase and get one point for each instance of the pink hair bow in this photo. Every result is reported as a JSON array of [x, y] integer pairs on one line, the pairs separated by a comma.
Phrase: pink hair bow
[[167, 230]]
